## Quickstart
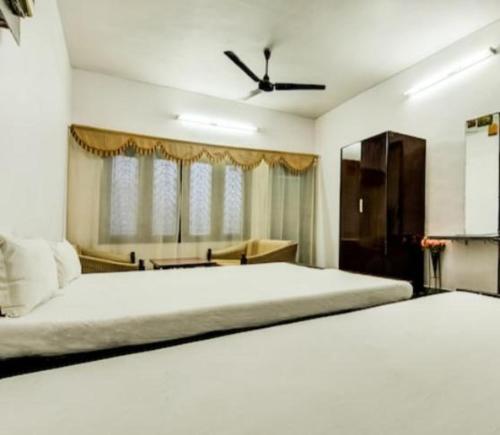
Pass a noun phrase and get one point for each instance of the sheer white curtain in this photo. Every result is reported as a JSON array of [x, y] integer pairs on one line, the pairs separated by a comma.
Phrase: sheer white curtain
[[139, 201], [163, 209], [215, 202], [292, 199]]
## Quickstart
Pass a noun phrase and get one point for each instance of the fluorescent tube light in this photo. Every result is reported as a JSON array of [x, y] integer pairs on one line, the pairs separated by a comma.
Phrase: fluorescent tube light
[[215, 123], [457, 69]]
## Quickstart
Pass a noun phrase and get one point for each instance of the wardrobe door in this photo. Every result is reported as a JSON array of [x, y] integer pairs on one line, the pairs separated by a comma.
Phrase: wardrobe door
[[350, 185], [405, 207], [372, 205]]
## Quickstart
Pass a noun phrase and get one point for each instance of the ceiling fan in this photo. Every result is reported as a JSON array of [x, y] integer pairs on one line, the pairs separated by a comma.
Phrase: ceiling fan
[[264, 84]]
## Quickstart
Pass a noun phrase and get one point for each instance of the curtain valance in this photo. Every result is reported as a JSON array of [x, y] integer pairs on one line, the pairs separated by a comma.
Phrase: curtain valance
[[106, 143]]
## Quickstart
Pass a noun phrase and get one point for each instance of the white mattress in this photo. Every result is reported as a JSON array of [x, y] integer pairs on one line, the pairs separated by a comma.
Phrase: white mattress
[[427, 366], [101, 311]]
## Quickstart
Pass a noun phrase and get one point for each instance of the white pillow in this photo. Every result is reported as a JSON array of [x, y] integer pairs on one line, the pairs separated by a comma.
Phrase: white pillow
[[28, 274], [68, 263]]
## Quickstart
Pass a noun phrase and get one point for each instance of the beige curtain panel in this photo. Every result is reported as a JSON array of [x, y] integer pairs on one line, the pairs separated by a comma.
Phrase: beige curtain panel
[[107, 143]]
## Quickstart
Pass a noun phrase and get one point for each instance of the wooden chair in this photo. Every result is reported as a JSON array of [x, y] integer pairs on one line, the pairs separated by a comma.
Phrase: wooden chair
[[94, 261], [256, 251]]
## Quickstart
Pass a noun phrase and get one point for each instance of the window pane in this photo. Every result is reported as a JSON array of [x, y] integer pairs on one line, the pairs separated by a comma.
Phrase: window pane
[[200, 199], [124, 196], [233, 200], [164, 213]]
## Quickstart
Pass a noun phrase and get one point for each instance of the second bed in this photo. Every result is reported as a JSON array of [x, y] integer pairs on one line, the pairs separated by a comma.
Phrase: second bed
[[104, 311]]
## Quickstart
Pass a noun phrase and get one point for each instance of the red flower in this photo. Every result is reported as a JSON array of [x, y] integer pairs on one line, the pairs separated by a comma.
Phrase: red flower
[[433, 244]]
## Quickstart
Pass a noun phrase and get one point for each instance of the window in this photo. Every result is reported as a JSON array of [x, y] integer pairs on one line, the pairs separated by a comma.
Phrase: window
[[216, 202], [124, 196], [164, 207], [233, 201], [141, 205], [153, 200], [200, 199]]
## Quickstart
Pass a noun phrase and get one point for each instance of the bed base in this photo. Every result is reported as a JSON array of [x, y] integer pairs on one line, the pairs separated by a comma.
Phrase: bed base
[[31, 364], [23, 365]]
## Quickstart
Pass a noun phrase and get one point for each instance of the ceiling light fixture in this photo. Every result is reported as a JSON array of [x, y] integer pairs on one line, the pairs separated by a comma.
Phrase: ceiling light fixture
[[453, 71], [215, 123]]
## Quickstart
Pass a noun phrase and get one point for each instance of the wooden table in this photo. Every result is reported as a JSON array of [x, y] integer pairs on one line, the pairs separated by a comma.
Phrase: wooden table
[[181, 263]]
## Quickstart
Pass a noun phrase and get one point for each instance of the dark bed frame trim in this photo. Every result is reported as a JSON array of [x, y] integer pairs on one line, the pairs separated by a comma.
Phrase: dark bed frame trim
[[24, 365], [31, 364]]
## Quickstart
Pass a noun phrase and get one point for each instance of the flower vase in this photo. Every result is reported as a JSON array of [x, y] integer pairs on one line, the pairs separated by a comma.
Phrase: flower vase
[[436, 267]]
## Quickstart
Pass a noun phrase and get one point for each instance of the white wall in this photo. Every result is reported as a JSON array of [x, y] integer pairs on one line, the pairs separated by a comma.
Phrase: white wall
[[34, 113], [437, 115], [113, 103]]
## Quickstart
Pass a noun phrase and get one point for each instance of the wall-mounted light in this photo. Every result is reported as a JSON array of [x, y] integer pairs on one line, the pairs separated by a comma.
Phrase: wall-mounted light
[[453, 71], [202, 121]]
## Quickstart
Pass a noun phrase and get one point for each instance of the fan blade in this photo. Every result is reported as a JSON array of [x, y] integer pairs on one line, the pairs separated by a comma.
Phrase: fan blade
[[297, 87], [240, 64], [252, 94]]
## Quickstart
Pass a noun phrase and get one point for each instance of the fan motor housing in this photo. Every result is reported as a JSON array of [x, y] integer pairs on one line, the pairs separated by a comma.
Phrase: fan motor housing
[[266, 86]]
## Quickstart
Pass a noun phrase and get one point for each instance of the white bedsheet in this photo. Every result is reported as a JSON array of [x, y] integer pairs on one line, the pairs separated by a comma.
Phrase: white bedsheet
[[427, 366], [102, 311]]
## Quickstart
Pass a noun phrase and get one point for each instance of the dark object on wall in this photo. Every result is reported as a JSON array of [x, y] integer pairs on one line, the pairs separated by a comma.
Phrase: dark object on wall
[[22, 8], [9, 20], [485, 120], [11, 12], [382, 207]]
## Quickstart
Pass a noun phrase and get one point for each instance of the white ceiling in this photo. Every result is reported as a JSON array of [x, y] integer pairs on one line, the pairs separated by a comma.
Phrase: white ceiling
[[349, 45]]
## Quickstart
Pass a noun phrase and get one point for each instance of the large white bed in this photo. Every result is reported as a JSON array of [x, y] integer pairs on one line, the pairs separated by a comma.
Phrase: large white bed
[[426, 366], [103, 311]]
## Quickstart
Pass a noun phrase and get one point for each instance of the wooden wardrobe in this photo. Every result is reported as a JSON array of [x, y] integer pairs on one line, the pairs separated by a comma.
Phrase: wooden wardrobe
[[382, 207]]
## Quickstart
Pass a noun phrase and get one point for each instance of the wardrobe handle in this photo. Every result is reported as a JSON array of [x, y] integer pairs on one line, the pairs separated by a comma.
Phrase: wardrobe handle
[[361, 205]]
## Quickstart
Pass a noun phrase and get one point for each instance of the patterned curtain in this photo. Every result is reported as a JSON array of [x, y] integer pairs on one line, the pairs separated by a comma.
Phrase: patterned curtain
[[106, 143]]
